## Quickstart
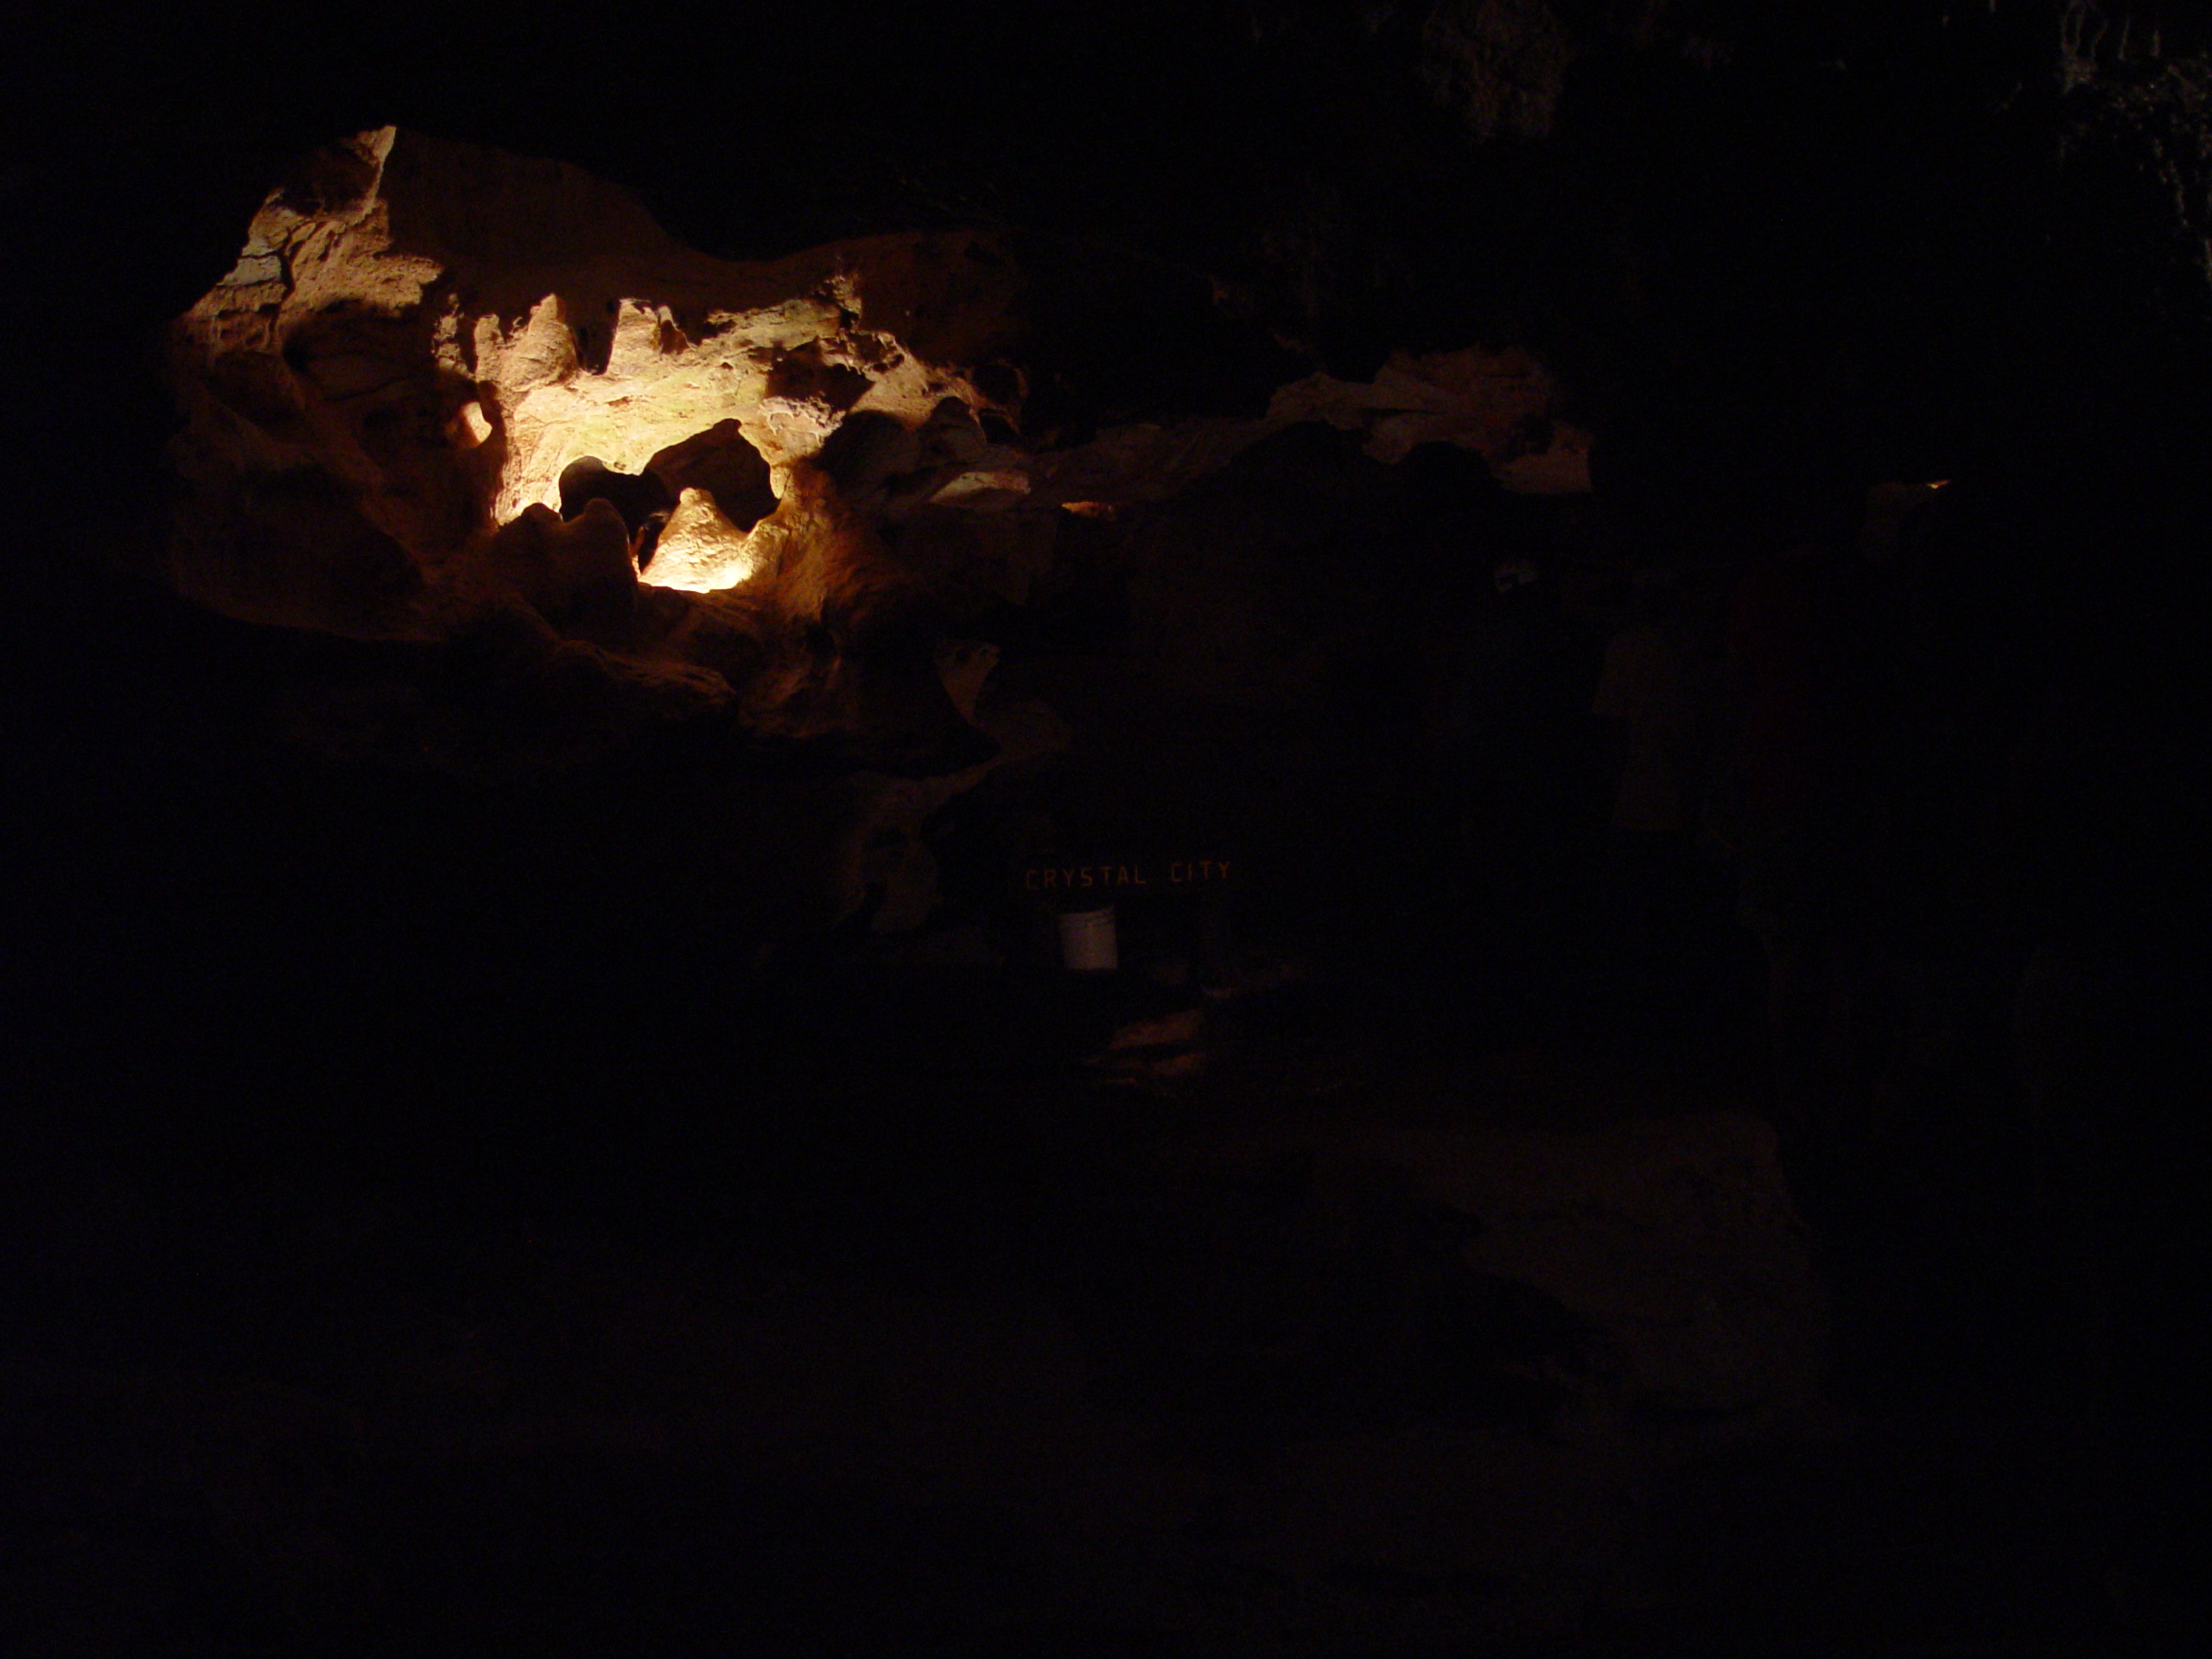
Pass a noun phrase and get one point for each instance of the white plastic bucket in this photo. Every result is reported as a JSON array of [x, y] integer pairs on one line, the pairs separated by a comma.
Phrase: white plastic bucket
[[1087, 944]]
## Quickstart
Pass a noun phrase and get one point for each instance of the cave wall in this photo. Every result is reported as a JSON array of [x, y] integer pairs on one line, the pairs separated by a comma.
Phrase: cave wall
[[1909, 245], [507, 828]]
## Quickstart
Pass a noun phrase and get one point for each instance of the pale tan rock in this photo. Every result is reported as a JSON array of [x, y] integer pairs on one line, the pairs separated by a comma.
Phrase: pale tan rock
[[420, 337], [826, 560], [435, 331], [439, 329], [700, 551]]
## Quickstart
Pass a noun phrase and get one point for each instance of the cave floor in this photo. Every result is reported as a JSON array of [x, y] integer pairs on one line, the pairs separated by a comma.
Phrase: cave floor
[[1293, 1324]]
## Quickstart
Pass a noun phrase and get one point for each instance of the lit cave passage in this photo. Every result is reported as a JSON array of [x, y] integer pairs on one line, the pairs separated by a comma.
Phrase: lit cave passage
[[1383, 872]]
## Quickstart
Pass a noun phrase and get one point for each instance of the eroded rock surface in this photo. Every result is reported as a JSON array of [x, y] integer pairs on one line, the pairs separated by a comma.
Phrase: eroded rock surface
[[442, 382], [442, 329], [421, 339], [485, 404]]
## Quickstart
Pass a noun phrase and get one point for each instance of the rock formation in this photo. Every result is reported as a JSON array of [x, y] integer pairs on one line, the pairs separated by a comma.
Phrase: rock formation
[[443, 381], [485, 404], [438, 332], [421, 340]]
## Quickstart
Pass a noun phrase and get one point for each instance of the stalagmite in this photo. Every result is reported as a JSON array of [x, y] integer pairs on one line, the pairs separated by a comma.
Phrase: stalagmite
[[700, 551]]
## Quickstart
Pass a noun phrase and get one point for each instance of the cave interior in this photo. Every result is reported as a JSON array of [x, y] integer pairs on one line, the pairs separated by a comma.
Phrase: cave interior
[[1246, 828]]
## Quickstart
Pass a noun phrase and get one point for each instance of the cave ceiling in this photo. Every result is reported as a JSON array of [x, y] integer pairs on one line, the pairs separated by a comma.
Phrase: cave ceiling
[[1661, 198], [1041, 258]]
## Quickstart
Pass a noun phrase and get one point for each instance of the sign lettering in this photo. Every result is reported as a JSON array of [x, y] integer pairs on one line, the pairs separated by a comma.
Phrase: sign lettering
[[1134, 876]]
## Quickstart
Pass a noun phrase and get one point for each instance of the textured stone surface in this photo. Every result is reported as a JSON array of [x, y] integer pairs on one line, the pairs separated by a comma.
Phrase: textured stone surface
[[700, 549], [485, 404], [436, 331], [458, 397], [420, 337]]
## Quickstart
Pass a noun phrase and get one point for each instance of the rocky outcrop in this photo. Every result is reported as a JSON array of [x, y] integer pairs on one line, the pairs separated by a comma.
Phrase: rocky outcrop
[[444, 385], [422, 340], [435, 332], [485, 404]]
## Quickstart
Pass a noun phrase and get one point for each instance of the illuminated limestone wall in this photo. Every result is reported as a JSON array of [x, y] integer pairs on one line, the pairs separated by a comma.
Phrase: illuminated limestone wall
[[419, 336]]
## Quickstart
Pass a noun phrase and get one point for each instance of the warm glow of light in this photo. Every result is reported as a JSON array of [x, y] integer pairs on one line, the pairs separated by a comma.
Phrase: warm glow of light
[[471, 427], [699, 550]]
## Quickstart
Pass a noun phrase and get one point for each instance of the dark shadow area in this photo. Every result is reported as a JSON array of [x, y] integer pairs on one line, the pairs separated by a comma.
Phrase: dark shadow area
[[412, 1181]]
